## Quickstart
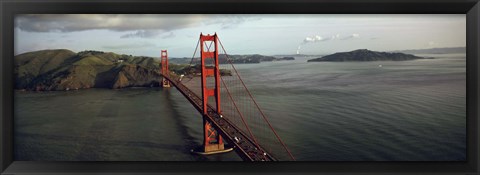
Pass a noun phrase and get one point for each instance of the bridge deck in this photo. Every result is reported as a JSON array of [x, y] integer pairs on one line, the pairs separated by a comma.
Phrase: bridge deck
[[245, 146]]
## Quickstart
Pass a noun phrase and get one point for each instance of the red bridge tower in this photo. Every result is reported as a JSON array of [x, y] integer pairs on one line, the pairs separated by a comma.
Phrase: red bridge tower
[[165, 71], [213, 142]]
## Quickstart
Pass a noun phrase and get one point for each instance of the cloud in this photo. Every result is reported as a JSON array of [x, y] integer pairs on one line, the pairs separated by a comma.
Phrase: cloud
[[169, 35], [129, 46], [141, 34], [313, 39], [352, 36], [124, 22], [140, 25], [230, 21], [317, 38], [432, 43]]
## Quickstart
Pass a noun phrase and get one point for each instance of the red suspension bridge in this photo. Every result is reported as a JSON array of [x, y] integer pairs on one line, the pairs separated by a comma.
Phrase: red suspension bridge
[[230, 113]]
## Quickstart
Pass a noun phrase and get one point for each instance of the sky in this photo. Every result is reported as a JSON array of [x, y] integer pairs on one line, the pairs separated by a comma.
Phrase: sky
[[266, 34]]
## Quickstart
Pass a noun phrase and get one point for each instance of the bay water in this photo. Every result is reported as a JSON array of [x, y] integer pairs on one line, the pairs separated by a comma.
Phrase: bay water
[[324, 111]]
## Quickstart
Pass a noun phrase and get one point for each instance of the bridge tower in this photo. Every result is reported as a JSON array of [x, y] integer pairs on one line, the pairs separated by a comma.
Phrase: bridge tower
[[213, 142], [165, 71]]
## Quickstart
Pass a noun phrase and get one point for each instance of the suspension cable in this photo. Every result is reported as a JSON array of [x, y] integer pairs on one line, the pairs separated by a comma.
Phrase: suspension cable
[[241, 115], [194, 53], [254, 101], [191, 61]]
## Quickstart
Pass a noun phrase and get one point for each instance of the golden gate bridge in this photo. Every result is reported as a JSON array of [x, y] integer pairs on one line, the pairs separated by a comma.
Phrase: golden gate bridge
[[230, 113]]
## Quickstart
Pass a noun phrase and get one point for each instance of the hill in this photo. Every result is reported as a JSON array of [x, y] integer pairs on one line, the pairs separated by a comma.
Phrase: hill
[[63, 69], [365, 55]]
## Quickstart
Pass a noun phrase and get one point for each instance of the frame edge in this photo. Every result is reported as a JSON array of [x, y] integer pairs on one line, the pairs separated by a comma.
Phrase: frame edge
[[473, 78], [5, 111]]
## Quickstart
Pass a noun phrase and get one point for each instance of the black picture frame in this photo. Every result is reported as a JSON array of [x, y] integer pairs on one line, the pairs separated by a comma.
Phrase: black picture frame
[[9, 8]]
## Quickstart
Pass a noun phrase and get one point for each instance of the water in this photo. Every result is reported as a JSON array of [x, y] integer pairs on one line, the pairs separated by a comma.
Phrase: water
[[325, 111]]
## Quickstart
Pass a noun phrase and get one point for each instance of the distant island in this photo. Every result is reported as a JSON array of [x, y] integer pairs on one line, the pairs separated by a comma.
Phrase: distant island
[[366, 55]]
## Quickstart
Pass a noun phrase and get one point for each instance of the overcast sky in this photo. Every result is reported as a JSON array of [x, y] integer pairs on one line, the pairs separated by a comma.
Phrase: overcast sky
[[240, 34]]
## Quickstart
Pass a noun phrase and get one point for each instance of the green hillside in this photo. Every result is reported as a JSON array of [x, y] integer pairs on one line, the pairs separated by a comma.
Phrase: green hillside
[[63, 70], [93, 61]]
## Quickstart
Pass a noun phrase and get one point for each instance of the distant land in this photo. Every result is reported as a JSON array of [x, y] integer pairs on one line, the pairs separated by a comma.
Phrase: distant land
[[235, 59], [445, 50], [62, 69], [365, 55], [442, 50], [295, 55]]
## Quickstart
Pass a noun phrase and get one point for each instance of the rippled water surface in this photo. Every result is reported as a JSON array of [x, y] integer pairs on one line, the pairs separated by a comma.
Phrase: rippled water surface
[[373, 111]]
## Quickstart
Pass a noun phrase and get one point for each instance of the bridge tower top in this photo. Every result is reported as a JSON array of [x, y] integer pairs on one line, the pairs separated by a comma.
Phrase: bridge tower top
[[209, 62]]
